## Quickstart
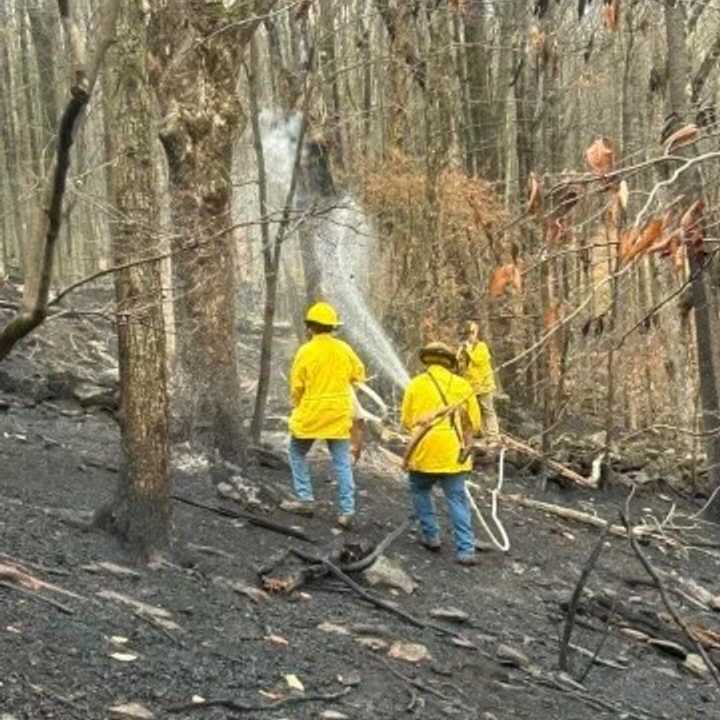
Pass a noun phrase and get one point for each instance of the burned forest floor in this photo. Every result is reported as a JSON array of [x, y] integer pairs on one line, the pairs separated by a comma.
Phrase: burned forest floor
[[198, 636]]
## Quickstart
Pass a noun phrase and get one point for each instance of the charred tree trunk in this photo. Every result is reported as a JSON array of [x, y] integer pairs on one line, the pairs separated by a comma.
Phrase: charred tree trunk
[[195, 58], [142, 510]]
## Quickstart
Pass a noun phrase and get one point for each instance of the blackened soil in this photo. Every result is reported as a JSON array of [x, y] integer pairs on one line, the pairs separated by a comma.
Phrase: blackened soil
[[56, 664]]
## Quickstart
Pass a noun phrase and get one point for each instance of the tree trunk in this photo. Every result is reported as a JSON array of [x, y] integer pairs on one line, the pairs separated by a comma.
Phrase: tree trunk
[[195, 57], [142, 510], [9, 133], [706, 327], [43, 24]]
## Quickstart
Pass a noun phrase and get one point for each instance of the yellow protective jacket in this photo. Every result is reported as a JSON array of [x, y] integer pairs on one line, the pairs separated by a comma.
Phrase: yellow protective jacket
[[478, 367], [439, 449], [320, 388]]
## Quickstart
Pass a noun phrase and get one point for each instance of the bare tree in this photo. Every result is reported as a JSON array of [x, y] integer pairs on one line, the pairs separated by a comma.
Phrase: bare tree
[[141, 511]]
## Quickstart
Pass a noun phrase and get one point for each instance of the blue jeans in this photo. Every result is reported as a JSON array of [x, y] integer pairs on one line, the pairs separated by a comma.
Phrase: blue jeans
[[302, 483], [453, 485]]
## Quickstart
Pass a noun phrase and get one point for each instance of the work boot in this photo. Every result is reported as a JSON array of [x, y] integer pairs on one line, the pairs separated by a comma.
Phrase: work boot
[[468, 560], [345, 521], [299, 507], [433, 545]]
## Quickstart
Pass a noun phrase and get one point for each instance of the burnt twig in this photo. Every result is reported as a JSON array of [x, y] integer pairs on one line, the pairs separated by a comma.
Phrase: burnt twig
[[584, 575], [252, 519], [63, 608], [247, 707]]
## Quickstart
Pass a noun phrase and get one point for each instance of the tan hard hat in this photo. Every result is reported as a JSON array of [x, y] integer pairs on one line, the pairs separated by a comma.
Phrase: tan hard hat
[[437, 352]]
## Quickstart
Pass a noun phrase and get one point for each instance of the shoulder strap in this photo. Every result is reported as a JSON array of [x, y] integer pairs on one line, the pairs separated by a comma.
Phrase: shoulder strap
[[453, 422], [438, 388]]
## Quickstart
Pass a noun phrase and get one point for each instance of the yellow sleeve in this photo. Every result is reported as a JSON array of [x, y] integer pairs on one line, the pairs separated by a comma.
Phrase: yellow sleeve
[[358, 369], [473, 409], [406, 415], [297, 380]]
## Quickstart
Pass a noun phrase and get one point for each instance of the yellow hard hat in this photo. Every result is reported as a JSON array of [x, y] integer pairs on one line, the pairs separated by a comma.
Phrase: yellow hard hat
[[323, 313], [438, 353]]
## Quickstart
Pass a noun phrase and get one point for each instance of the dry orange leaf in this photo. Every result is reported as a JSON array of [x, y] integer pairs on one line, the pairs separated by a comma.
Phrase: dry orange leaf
[[692, 216], [681, 137], [663, 246], [641, 240], [691, 225], [600, 156], [626, 244]]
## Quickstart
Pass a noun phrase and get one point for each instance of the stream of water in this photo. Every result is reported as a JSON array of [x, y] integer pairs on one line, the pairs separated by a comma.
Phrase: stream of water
[[346, 250]]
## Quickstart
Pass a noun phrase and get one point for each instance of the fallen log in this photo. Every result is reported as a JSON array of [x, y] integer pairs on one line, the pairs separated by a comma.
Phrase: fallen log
[[513, 443], [588, 519]]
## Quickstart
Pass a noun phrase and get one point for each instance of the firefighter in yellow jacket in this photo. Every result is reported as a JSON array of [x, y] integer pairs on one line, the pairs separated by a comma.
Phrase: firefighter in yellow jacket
[[476, 363], [321, 379], [438, 456]]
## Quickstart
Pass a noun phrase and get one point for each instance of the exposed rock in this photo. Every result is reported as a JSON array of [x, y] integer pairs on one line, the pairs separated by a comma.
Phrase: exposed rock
[[410, 652], [385, 572], [131, 711], [696, 665], [351, 679], [333, 715]]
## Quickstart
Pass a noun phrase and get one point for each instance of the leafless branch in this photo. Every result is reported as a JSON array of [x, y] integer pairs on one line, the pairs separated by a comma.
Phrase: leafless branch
[[625, 517]]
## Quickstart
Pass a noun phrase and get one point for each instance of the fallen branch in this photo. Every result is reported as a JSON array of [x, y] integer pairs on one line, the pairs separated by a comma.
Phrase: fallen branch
[[16, 575], [35, 596], [252, 519], [572, 609], [663, 592], [248, 707], [595, 657], [582, 517], [515, 444]]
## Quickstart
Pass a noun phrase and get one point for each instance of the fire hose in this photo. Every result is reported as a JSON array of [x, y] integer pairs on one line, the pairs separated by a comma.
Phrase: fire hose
[[504, 543]]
